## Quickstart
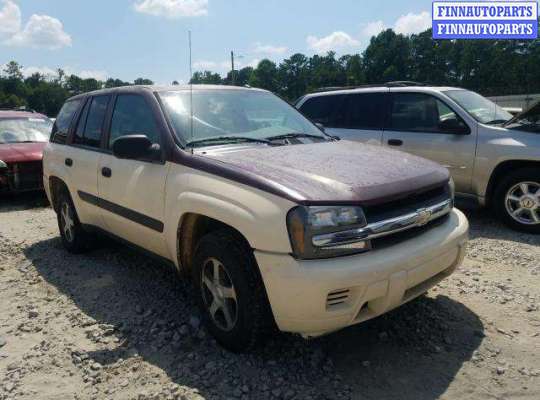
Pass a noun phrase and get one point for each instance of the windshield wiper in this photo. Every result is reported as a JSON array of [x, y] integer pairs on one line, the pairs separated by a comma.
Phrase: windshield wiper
[[227, 139], [497, 121], [294, 135]]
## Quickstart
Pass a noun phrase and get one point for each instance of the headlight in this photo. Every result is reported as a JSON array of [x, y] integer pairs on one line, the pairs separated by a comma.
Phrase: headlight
[[3, 164], [314, 231]]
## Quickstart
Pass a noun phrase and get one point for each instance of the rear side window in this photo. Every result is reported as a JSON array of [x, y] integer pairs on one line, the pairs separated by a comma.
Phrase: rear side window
[[90, 127], [419, 112], [63, 121], [133, 116], [363, 111], [323, 109]]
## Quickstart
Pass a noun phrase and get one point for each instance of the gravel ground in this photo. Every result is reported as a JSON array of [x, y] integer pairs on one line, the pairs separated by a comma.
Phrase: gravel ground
[[113, 324]]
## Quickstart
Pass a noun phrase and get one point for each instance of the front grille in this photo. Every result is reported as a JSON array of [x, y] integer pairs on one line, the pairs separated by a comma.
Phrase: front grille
[[396, 238], [408, 204], [25, 176]]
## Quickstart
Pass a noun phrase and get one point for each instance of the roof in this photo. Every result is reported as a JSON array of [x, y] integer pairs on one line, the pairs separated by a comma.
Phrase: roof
[[20, 114], [158, 88]]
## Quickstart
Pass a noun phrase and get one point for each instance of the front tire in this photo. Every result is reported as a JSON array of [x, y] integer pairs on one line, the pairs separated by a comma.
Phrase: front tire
[[230, 291], [74, 237], [517, 200]]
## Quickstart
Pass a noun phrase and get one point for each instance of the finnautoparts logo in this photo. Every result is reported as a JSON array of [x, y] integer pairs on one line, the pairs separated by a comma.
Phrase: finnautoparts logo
[[485, 20]]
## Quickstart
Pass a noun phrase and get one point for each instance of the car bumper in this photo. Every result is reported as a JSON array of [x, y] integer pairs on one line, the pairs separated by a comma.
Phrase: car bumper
[[21, 177], [316, 297]]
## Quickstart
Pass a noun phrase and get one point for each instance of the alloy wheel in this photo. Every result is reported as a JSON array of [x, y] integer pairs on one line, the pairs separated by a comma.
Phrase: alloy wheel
[[68, 223], [219, 294], [523, 203]]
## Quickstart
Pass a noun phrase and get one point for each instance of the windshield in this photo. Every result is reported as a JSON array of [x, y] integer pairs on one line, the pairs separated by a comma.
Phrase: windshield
[[480, 108], [20, 130], [238, 113]]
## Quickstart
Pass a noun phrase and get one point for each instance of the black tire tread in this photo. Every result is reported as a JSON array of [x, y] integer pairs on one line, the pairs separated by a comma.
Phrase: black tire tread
[[83, 241], [258, 314]]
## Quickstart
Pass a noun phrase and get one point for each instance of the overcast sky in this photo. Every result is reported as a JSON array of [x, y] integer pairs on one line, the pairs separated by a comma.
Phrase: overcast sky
[[127, 39]]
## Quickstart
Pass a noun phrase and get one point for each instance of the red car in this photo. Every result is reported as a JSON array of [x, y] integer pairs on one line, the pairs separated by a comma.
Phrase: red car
[[23, 136]]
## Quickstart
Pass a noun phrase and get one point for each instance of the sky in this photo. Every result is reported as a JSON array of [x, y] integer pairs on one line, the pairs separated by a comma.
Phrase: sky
[[127, 39]]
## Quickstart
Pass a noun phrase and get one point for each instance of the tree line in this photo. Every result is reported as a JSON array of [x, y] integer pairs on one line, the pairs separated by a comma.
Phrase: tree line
[[46, 94], [490, 67]]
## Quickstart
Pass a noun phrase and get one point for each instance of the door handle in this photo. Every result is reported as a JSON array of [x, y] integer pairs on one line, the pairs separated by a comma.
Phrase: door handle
[[106, 172], [68, 162], [395, 142]]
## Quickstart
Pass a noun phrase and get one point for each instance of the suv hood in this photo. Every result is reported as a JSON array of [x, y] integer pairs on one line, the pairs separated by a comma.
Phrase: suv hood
[[330, 172], [531, 112], [21, 152]]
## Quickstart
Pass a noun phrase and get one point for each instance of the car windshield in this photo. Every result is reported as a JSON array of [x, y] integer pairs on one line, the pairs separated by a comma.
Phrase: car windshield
[[480, 108], [24, 130], [233, 116]]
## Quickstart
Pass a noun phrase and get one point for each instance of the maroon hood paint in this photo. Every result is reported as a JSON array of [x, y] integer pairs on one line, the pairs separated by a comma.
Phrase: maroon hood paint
[[330, 172], [21, 152]]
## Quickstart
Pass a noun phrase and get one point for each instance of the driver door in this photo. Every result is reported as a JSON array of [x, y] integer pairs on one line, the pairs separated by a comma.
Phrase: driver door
[[133, 191], [421, 124]]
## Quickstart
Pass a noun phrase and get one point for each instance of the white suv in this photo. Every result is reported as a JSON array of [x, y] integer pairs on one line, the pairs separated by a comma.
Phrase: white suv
[[493, 157], [277, 223]]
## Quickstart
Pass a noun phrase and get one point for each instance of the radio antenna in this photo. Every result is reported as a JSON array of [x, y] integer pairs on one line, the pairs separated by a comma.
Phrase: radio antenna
[[190, 91]]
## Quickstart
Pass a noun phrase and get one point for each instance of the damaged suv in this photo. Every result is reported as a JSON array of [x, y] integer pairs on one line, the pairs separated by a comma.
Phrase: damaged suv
[[276, 223]]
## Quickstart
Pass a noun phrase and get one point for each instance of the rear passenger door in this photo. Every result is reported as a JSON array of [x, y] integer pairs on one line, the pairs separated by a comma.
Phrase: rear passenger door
[[354, 116], [424, 125], [132, 192], [82, 158], [361, 117]]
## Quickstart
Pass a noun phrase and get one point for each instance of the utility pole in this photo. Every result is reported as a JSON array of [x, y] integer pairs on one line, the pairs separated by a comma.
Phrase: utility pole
[[232, 69]]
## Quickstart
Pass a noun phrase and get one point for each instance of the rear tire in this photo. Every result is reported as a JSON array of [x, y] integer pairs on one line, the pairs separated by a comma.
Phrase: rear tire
[[230, 292], [74, 238], [516, 200]]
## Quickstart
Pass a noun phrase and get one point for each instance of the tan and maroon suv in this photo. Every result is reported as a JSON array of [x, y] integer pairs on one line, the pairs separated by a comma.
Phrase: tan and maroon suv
[[277, 223]]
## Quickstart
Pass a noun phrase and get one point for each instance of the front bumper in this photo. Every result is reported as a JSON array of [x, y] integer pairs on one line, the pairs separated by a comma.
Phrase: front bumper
[[315, 297], [21, 177]]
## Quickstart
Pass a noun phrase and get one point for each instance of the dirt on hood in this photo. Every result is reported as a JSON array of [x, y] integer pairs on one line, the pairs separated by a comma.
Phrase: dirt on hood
[[341, 171]]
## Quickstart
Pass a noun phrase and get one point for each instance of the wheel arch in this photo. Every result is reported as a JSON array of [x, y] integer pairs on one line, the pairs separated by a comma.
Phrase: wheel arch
[[191, 228], [56, 185], [501, 170]]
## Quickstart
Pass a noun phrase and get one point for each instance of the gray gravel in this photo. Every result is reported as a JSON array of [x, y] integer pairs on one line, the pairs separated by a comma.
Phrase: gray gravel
[[113, 324]]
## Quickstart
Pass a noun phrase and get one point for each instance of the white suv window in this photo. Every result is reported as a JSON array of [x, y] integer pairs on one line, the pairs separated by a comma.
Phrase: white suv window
[[132, 116], [419, 112]]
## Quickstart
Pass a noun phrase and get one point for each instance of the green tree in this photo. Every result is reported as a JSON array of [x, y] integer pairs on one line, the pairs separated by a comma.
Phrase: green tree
[[293, 75], [265, 76], [387, 58], [143, 81], [206, 77], [13, 70]]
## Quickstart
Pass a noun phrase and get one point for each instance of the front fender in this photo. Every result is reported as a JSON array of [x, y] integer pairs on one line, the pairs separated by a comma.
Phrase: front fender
[[259, 216]]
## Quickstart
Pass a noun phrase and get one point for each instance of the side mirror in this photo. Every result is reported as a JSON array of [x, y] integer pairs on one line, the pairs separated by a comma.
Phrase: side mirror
[[455, 126], [320, 126], [134, 147]]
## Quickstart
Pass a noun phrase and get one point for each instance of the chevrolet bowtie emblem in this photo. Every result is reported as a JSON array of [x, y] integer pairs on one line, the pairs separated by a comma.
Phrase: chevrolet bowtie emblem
[[423, 216]]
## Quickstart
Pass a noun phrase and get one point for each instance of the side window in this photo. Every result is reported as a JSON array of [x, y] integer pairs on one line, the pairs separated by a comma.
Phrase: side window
[[94, 122], [323, 109], [132, 116], [78, 137], [418, 112], [364, 111], [63, 121], [90, 126]]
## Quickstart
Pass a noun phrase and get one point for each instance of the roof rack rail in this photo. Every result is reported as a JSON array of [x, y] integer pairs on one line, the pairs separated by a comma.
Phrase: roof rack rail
[[403, 83], [386, 84]]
